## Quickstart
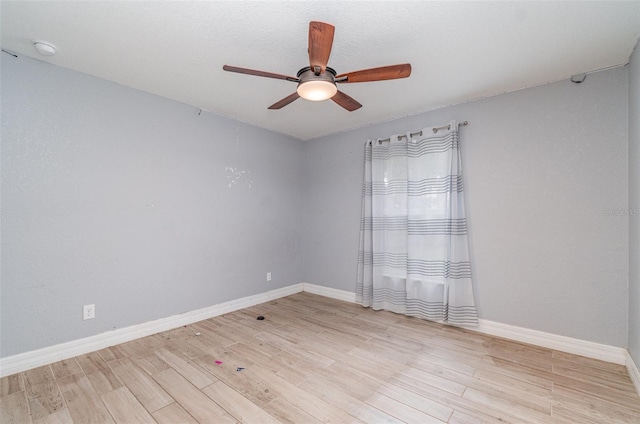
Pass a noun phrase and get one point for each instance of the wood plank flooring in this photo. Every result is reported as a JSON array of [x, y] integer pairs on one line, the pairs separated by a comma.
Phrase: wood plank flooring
[[316, 360]]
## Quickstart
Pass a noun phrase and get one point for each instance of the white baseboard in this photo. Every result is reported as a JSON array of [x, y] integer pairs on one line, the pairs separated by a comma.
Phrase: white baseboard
[[616, 355], [36, 358], [634, 373], [28, 360], [329, 292]]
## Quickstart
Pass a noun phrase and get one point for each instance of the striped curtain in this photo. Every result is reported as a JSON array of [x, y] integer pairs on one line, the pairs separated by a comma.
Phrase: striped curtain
[[414, 254]]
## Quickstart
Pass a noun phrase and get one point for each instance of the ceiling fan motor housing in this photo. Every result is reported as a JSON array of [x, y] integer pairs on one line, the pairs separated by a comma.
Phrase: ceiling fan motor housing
[[306, 74]]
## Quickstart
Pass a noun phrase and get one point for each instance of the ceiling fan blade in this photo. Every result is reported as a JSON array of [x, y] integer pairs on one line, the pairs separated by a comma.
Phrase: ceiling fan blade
[[259, 73], [377, 74], [282, 103], [346, 102], [320, 42]]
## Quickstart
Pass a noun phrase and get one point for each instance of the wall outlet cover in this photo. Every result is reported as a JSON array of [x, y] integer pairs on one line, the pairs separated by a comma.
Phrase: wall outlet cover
[[88, 312]]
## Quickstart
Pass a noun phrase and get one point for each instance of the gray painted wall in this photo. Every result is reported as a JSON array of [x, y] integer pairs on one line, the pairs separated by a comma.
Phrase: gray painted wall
[[135, 203], [634, 205], [546, 178]]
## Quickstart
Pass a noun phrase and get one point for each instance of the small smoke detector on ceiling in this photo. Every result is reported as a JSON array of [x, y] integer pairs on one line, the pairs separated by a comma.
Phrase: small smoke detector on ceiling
[[45, 48]]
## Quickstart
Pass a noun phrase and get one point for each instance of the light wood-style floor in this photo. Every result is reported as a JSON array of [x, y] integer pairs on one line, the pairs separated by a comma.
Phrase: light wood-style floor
[[313, 360]]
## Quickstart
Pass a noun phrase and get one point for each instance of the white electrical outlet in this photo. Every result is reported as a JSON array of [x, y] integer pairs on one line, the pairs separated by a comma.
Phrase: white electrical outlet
[[88, 312], [268, 276]]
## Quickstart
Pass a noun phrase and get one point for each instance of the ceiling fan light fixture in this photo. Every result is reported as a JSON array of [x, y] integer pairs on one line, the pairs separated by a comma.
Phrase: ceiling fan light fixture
[[317, 91]]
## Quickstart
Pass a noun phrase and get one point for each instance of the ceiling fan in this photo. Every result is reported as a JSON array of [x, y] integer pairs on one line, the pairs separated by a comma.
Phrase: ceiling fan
[[318, 81]]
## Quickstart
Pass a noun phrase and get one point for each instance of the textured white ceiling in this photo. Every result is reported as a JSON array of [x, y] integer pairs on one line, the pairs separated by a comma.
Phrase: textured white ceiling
[[459, 50]]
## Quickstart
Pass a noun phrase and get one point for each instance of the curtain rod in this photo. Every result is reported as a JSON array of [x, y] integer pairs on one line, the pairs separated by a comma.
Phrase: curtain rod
[[413, 134]]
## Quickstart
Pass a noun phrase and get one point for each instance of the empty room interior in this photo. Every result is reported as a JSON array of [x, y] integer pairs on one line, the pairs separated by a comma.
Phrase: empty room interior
[[309, 212]]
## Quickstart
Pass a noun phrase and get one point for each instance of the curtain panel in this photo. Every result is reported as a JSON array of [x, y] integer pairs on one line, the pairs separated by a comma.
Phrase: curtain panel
[[414, 255]]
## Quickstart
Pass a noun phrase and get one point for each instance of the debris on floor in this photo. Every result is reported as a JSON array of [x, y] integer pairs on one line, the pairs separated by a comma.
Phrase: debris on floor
[[239, 369], [218, 362], [260, 318]]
